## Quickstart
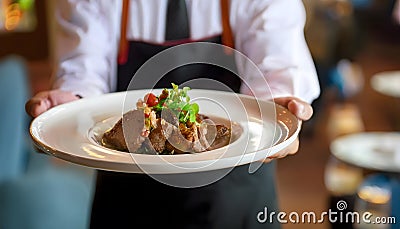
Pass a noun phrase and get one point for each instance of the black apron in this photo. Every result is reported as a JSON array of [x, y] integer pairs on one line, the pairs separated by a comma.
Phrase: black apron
[[124, 200]]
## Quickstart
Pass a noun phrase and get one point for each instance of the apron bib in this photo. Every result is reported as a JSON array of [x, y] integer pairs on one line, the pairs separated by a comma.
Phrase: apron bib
[[125, 200]]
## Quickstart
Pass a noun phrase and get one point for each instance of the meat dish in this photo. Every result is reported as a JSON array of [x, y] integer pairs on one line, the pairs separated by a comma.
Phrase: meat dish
[[166, 124]]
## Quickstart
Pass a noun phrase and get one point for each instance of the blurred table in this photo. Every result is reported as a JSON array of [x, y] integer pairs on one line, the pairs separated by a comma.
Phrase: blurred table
[[387, 83], [378, 151], [374, 151]]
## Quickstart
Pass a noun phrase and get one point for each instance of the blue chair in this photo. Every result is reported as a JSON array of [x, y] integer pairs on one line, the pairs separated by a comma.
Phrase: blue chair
[[13, 94], [34, 191]]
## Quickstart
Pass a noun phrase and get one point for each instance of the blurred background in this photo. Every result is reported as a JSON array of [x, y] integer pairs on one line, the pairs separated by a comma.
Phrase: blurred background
[[353, 43]]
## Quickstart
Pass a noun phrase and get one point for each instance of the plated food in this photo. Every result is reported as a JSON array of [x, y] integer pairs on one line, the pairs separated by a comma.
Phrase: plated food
[[74, 132], [166, 124]]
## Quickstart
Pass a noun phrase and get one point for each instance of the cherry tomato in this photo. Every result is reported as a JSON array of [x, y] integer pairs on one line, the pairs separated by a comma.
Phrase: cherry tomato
[[150, 99]]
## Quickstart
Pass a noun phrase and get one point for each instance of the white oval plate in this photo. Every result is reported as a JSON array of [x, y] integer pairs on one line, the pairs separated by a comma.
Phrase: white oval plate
[[371, 150], [387, 83], [69, 132]]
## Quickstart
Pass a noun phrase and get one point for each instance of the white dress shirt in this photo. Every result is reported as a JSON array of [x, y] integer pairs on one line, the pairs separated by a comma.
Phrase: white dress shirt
[[268, 32]]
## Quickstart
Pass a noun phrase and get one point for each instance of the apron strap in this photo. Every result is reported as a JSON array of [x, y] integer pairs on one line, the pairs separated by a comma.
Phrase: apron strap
[[123, 43], [227, 38]]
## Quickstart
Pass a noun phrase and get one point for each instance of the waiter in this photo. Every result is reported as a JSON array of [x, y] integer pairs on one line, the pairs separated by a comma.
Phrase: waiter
[[101, 44]]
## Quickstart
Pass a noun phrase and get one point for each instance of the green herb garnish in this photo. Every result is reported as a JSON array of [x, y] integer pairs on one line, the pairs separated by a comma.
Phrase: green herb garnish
[[179, 102]]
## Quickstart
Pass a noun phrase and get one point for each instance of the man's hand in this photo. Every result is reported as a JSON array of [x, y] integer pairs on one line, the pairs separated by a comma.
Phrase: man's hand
[[298, 107], [396, 12], [303, 111], [45, 100], [290, 150]]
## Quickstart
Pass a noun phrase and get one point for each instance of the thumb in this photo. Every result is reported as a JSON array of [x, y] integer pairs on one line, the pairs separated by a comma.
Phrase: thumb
[[301, 109], [298, 107]]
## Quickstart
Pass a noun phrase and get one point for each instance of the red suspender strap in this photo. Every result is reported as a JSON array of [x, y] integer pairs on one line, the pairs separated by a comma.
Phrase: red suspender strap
[[227, 38], [123, 43]]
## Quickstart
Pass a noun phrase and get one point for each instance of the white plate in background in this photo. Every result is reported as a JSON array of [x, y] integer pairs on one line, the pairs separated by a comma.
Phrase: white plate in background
[[387, 83], [371, 150]]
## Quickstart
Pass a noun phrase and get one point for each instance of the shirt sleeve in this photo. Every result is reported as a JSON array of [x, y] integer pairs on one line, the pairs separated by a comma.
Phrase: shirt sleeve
[[271, 34], [85, 47]]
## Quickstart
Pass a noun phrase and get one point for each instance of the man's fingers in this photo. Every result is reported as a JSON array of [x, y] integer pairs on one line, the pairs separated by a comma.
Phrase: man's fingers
[[294, 147], [36, 106], [45, 100], [57, 97], [290, 150], [303, 111], [268, 160]]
